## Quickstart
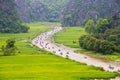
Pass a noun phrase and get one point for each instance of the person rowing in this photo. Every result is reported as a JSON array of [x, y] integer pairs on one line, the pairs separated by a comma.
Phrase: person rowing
[[59, 50], [85, 57], [118, 70], [61, 53], [67, 53], [111, 67], [67, 56]]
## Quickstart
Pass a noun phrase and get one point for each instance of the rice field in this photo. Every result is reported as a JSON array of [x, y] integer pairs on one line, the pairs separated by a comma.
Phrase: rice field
[[32, 63]]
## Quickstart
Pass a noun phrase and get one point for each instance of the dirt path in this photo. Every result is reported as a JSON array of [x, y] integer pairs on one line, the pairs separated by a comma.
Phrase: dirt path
[[44, 41]]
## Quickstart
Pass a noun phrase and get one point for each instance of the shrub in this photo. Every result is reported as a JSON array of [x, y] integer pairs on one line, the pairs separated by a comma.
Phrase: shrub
[[9, 49], [91, 43]]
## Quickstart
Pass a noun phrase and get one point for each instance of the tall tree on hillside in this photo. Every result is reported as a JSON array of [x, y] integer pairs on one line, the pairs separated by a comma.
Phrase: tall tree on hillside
[[89, 26], [9, 20]]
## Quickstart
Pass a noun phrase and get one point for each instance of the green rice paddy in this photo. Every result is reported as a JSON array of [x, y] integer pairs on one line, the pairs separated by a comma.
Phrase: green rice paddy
[[31, 63]]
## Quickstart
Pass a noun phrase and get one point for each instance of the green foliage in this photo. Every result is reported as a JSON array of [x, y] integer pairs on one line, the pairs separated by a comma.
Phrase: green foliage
[[9, 49], [91, 43], [10, 43], [68, 18], [40, 10], [24, 28], [89, 27], [9, 21], [55, 8], [84, 10], [105, 37], [101, 25]]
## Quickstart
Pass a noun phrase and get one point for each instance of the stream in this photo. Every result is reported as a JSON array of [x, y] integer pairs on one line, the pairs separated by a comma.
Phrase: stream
[[45, 41]]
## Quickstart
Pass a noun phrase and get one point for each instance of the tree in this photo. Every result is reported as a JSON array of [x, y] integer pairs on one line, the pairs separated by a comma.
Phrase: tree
[[105, 37], [9, 19], [40, 10], [68, 20], [10, 48], [91, 43], [89, 26], [101, 25]]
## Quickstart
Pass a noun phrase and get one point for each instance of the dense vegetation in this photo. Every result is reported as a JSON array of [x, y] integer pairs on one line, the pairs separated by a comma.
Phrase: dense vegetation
[[55, 9], [31, 10], [40, 10], [104, 35], [78, 12], [9, 20], [10, 48]]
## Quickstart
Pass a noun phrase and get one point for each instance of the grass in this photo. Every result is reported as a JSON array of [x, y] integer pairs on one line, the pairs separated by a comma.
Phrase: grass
[[32, 63], [47, 67], [70, 34]]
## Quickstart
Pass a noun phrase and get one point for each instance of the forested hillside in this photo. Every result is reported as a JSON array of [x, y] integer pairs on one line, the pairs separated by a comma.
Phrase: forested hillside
[[40, 10], [9, 19], [31, 10], [78, 12], [55, 8]]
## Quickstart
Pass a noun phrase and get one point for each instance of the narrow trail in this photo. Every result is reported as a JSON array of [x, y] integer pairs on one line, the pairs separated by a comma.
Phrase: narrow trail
[[44, 41]]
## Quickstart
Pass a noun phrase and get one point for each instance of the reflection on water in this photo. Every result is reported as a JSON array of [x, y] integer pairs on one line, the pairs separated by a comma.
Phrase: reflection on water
[[117, 78]]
